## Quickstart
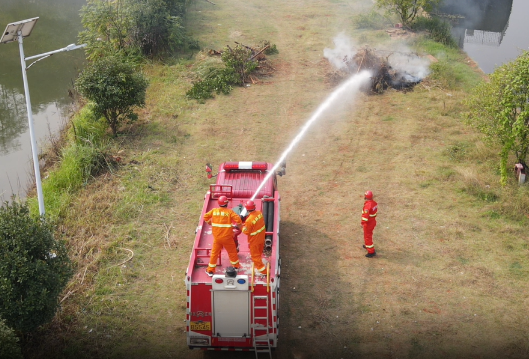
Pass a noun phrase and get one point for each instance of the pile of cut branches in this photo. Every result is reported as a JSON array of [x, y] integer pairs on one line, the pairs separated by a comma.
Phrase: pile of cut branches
[[242, 64]]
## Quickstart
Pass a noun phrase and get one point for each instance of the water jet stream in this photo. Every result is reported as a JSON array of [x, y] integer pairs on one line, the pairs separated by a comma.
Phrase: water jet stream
[[353, 84]]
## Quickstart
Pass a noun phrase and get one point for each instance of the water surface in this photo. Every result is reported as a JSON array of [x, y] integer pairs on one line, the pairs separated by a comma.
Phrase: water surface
[[491, 32], [49, 81]]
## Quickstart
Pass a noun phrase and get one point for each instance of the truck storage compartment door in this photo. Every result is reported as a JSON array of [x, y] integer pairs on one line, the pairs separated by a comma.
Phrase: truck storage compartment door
[[231, 307], [231, 314]]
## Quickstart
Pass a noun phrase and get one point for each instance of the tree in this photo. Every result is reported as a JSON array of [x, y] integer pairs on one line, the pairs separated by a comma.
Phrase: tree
[[134, 27], [500, 110], [106, 28], [34, 269], [115, 87], [407, 9]]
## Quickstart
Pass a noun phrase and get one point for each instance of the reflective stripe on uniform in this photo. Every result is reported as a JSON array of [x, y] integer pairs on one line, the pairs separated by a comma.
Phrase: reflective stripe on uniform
[[234, 263], [365, 219], [212, 265], [258, 231], [373, 215], [221, 225], [371, 246]]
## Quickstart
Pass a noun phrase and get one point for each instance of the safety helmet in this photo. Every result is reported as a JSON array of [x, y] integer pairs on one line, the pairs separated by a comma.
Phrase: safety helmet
[[250, 205], [368, 195], [223, 201]]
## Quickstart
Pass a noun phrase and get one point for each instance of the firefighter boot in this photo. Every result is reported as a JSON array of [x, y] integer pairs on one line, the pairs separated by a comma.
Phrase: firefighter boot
[[370, 255]]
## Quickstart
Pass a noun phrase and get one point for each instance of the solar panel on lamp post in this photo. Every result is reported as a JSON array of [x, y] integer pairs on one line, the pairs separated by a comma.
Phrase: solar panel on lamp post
[[18, 31]]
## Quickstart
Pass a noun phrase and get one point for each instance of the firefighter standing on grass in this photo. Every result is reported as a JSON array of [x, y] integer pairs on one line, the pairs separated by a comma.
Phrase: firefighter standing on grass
[[369, 221], [222, 220], [254, 227]]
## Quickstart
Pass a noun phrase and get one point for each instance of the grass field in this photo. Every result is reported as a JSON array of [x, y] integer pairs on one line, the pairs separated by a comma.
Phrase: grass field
[[450, 278]]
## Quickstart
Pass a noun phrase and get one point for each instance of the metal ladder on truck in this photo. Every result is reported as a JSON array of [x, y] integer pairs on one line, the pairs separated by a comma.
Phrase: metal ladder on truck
[[260, 345]]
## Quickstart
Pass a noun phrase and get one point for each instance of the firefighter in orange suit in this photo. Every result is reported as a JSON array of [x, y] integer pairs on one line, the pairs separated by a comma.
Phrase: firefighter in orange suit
[[369, 221], [222, 221], [254, 228]]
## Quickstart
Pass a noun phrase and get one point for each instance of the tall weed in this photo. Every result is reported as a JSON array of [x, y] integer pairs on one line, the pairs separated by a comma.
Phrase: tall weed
[[83, 157]]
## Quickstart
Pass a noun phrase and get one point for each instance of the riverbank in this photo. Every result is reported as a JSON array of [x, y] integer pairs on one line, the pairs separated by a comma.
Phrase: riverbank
[[450, 273]]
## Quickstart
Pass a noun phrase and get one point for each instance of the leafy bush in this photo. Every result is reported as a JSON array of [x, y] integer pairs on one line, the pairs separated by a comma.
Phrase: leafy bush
[[134, 27], [238, 64], [115, 87], [219, 81], [9, 348], [407, 10], [272, 48], [33, 271], [438, 30], [500, 110]]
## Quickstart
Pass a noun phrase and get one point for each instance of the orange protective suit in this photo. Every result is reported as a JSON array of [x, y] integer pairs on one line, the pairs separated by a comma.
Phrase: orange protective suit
[[254, 227], [221, 220], [369, 222]]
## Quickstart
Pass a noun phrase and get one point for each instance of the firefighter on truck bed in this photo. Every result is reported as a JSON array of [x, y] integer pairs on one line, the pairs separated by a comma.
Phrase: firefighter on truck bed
[[254, 227], [222, 221]]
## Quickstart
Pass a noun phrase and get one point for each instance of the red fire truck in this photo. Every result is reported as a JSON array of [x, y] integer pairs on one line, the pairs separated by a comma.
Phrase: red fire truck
[[236, 311]]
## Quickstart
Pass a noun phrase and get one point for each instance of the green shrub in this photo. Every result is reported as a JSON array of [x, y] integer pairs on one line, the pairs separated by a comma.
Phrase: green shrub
[[438, 30], [238, 65], [33, 271], [9, 347], [116, 88], [134, 28]]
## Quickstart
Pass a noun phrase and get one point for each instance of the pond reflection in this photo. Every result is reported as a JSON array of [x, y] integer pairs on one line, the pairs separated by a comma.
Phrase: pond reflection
[[11, 108], [482, 22], [48, 82]]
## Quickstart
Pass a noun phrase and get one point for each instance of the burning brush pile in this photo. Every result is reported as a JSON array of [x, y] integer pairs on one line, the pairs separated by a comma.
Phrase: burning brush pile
[[384, 75]]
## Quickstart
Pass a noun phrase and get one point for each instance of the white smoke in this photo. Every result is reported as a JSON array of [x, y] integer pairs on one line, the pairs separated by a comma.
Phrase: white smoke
[[401, 58], [343, 50]]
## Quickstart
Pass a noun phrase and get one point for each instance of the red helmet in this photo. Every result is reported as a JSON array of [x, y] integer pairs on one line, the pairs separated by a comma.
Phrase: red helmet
[[368, 195], [223, 201], [250, 205]]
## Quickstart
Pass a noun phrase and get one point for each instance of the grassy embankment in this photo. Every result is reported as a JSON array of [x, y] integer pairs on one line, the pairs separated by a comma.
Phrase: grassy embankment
[[450, 277]]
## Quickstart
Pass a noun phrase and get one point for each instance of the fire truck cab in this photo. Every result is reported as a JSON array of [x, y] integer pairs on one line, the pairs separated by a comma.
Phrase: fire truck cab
[[238, 312]]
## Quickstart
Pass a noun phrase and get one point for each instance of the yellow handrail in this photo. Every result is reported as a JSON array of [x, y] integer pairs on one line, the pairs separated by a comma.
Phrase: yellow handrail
[[268, 277], [252, 278]]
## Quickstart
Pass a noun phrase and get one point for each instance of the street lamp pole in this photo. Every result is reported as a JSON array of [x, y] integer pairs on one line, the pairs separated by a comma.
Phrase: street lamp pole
[[36, 165], [19, 30]]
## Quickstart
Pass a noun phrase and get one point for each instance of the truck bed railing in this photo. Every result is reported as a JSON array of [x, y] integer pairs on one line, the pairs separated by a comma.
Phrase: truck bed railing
[[218, 190], [202, 256]]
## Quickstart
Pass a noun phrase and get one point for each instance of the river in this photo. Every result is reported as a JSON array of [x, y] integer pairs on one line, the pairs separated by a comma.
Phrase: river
[[49, 81], [491, 32]]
